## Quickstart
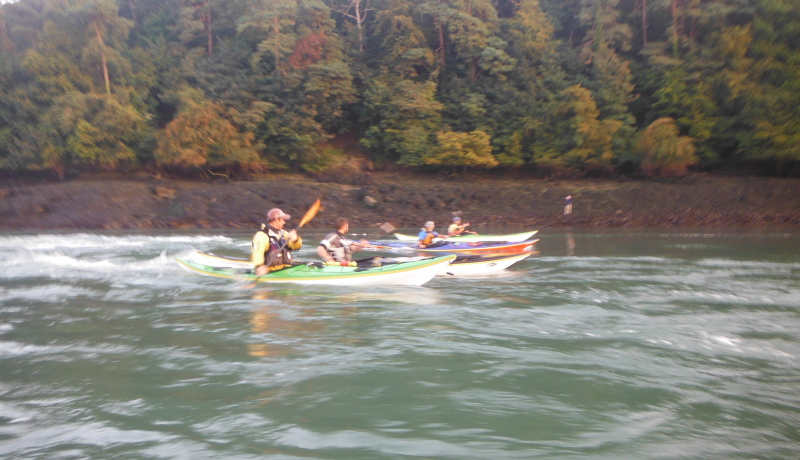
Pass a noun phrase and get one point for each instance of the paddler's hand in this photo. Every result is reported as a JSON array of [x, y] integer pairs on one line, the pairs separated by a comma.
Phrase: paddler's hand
[[292, 236], [360, 245]]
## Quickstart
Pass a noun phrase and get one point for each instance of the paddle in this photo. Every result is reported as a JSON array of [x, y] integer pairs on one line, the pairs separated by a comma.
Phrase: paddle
[[312, 211]]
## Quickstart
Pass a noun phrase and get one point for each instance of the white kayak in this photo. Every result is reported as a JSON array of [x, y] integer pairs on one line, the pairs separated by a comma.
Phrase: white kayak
[[473, 265], [461, 266], [510, 238], [481, 265]]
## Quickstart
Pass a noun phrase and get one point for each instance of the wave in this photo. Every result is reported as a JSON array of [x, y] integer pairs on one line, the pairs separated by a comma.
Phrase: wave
[[95, 241]]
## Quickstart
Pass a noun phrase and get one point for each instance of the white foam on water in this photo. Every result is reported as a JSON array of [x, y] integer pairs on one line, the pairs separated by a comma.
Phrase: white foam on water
[[49, 242], [750, 264]]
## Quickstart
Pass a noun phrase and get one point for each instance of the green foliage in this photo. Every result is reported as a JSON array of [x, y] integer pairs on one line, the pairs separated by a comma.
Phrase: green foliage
[[663, 150], [462, 149], [591, 137], [406, 116], [422, 83], [200, 135]]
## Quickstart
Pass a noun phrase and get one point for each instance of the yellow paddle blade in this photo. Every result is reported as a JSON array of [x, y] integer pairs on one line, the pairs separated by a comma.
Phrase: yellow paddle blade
[[312, 211]]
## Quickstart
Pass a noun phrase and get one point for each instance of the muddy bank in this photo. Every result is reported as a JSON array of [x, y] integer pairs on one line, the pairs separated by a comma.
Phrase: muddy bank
[[112, 202]]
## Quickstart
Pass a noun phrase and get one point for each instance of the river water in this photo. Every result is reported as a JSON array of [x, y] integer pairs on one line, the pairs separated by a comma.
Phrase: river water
[[640, 344]]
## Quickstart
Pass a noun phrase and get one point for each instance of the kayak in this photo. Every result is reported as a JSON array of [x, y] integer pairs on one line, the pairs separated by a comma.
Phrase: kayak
[[470, 265], [511, 238], [410, 273], [481, 265], [463, 265], [459, 247]]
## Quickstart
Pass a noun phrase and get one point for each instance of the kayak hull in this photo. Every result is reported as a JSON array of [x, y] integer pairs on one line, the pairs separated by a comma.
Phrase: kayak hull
[[414, 273], [481, 265], [468, 265], [509, 238]]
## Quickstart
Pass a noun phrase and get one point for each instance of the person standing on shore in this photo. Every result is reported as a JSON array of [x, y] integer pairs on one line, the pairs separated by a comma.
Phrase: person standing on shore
[[427, 235], [336, 248], [272, 245], [568, 205]]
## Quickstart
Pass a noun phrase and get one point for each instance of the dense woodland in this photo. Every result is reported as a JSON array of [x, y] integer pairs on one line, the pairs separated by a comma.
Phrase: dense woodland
[[654, 85]]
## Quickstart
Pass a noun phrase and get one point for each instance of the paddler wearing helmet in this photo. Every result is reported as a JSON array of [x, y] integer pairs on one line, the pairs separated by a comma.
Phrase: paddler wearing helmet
[[427, 235]]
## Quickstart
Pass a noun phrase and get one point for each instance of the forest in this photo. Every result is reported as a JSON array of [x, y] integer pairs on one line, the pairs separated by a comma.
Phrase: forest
[[653, 86]]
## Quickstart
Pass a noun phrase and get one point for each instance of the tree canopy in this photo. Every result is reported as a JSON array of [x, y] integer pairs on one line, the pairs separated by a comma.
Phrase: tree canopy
[[582, 84]]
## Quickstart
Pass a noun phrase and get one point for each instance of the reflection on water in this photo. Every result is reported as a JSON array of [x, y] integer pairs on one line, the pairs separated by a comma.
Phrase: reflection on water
[[642, 344], [570, 244]]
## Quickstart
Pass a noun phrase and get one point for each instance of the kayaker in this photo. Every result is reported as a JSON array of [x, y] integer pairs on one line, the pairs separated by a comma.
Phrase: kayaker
[[457, 228], [335, 247], [271, 239], [426, 236]]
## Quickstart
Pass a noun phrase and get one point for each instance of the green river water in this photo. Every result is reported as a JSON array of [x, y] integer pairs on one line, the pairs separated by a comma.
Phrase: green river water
[[607, 344]]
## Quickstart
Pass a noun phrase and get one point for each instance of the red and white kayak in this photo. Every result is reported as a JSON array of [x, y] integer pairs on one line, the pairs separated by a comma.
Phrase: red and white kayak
[[448, 247], [510, 238]]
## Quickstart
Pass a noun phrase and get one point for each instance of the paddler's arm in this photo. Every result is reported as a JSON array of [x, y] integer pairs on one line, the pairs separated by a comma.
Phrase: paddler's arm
[[260, 244], [322, 252]]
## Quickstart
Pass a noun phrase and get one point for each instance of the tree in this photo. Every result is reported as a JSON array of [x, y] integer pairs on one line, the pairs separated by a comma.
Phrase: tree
[[109, 31], [404, 117], [357, 10], [591, 142], [273, 21], [461, 149], [200, 135], [611, 75], [664, 151]]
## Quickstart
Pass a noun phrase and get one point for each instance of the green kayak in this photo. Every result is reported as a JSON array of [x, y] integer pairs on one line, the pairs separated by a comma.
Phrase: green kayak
[[411, 273]]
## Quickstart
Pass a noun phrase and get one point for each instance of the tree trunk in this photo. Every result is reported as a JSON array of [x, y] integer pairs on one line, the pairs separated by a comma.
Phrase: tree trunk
[[103, 59], [644, 23], [359, 21], [207, 25], [674, 10], [276, 50], [440, 26], [5, 41]]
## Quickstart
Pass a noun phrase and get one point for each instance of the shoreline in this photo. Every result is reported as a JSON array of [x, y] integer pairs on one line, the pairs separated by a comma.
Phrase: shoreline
[[105, 201]]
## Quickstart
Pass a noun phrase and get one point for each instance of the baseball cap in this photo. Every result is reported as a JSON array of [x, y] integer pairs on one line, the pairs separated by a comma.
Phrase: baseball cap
[[429, 224], [276, 213], [456, 219]]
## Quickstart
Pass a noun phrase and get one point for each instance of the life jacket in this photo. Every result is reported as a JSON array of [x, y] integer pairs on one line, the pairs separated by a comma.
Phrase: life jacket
[[277, 241], [338, 246], [429, 238]]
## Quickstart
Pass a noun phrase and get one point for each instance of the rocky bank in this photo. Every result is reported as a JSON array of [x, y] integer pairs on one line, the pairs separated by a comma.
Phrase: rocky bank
[[115, 202]]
